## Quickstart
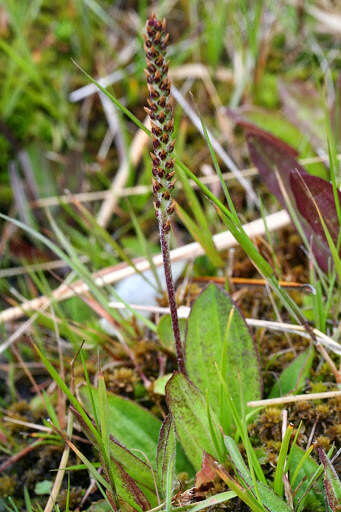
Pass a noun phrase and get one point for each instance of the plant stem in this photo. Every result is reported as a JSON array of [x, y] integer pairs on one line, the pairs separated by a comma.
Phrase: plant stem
[[160, 112], [164, 240]]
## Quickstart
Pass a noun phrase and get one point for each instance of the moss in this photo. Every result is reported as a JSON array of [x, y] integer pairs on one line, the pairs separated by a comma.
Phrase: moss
[[7, 485], [75, 496], [121, 380]]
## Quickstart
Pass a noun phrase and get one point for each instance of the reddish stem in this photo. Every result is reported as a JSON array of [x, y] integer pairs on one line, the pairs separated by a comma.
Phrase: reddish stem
[[164, 239]]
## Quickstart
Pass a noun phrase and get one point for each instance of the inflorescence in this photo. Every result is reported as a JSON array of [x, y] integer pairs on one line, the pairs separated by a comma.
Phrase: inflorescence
[[160, 112]]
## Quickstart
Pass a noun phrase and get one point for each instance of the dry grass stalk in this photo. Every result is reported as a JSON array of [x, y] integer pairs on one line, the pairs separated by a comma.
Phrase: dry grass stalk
[[110, 275], [294, 398]]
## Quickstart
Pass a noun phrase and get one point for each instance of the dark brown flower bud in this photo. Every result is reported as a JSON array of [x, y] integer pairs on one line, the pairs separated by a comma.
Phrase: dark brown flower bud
[[154, 54], [157, 37], [171, 208], [162, 154], [171, 146], [157, 76], [156, 185], [162, 102], [169, 126], [164, 138], [158, 59], [169, 164], [151, 68], [151, 104], [161, 117], [155, 159], [169, 175], [165, 84], [153, 92], [156, 130]]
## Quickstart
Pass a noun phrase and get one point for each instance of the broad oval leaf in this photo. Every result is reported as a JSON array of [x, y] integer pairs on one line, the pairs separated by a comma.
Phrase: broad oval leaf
[[218, 341], [196, 427]]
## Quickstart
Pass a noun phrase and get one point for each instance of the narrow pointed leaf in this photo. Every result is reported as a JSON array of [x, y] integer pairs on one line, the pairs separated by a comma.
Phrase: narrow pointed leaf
[[313, 498], [128, 490], [166, 455], [237, 460], [332, 483], [137, 469], [134, 427]]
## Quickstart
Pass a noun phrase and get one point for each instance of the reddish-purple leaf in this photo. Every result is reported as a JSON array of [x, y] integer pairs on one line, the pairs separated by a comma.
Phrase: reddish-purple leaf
[[271, 155], [303, 188], [276, 160]]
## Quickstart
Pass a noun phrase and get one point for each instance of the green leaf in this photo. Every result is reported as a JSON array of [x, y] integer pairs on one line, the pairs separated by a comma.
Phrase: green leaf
[[313, 499], [133, 426], [279, 472], [293, 376], [165, 331], [271, 500], [128, 490], [43, 487], [136, 468], [212, 501], [134, 479], [189, 411], [217, 336], [332, 484], [159, 385], [166, 452], [237, 460]]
